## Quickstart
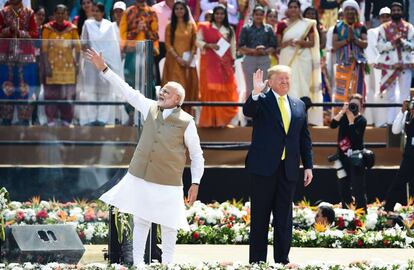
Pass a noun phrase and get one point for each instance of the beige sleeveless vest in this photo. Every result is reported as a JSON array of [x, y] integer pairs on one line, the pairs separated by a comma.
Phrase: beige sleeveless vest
[[160, 155]]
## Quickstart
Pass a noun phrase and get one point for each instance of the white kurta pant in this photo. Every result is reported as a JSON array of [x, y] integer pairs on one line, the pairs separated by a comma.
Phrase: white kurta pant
[[150, 203], [168, 239], [393, 96], [377, 116]]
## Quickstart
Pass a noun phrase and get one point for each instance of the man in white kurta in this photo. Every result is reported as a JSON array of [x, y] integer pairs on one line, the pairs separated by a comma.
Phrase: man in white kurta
[[152, 189], [395, 59], [376, 116]]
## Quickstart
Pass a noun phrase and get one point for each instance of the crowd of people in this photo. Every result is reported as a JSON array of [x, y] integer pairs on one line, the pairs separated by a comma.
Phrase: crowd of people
[[335, 48]]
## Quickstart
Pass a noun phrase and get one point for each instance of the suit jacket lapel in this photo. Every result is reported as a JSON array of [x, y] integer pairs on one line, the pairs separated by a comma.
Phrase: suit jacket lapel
[[271, 99], [294, 113]]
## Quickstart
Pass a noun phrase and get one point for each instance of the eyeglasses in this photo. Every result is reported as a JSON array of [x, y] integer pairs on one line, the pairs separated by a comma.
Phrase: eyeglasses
[[164, 91]]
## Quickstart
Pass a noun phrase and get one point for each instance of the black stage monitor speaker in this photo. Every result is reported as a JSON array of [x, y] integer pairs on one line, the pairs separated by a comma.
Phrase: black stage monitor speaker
[[42, 244]]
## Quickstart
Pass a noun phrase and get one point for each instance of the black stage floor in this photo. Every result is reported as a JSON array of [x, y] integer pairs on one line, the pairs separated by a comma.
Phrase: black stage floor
[[218, 184]]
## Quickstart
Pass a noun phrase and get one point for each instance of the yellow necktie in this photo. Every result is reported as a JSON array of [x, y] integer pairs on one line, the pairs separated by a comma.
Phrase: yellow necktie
[[285, 119]]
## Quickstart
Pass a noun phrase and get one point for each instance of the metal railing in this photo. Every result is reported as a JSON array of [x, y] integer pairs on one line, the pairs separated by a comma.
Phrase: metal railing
[[187, 103], [205, 145]]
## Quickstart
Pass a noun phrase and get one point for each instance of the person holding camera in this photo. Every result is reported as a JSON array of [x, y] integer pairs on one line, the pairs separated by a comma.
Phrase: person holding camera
[[403, 121], [352, 126]]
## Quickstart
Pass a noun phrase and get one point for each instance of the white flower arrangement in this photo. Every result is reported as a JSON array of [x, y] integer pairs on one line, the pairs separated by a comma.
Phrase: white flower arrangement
[[228, 223], [363, 265]]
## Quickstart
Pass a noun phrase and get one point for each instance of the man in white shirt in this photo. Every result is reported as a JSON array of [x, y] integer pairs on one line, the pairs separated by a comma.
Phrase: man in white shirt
[[404, 122], [118, 10], [395, 59], [152, 190]]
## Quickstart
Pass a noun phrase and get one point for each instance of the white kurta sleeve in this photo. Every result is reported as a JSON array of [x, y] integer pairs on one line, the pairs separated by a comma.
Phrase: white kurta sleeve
[[398, 124], [192, 141], [132, 96], [409, 42], [383, 44]]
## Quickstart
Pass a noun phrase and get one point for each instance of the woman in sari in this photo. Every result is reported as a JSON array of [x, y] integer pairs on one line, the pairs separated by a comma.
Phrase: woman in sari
[[217, 80], [299, 48], [100, 34], [180, 43], [312, 13]]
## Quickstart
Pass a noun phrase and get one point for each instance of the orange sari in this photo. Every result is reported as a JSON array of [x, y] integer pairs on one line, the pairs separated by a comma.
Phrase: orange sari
[[217, 81]]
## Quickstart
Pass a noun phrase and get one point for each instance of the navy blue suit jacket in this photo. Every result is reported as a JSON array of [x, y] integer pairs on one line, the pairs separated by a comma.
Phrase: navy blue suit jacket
[[269, 137]]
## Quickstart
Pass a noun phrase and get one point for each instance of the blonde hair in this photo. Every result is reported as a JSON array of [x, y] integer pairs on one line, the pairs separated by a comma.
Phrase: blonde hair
[[180, 91], [277, 69]]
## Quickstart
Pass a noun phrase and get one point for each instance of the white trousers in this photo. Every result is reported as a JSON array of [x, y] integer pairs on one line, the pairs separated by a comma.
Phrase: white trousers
[[391, 95], [168, 239], [377, 116]]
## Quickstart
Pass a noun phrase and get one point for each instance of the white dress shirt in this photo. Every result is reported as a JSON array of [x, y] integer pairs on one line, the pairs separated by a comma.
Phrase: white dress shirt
[[399, 122], [143, 104], [277, 96]]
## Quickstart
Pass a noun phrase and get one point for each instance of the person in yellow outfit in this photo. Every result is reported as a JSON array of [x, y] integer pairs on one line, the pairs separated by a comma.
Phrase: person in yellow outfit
[[60, 43]]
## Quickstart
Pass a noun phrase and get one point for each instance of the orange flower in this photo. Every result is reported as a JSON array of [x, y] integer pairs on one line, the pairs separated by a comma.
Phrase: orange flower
[[35, 200], [246, 219], [320, 227], [71, 218], [62, 215]]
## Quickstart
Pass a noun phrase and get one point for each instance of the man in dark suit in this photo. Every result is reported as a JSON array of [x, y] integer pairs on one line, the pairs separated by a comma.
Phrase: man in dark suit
[[280, 138]]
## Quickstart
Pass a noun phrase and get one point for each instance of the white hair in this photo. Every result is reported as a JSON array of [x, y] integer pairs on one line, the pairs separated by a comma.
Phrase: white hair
[[180, 91], [277, 69]]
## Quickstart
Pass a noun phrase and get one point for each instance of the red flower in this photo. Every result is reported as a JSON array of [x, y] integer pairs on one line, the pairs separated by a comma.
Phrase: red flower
[[340, 223], [231, 218], [20, 216], [196, 235], [42, 214], [81, 234], [386, 243], [358, 223], [229, 225], [360, 243]]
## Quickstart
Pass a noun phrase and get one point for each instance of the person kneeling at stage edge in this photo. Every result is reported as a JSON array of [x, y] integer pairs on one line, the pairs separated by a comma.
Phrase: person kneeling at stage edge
[[325, 215], [152, 190]]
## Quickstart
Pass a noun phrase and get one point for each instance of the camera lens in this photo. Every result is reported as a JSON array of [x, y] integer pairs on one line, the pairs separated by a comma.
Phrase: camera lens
[[353, 107]]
